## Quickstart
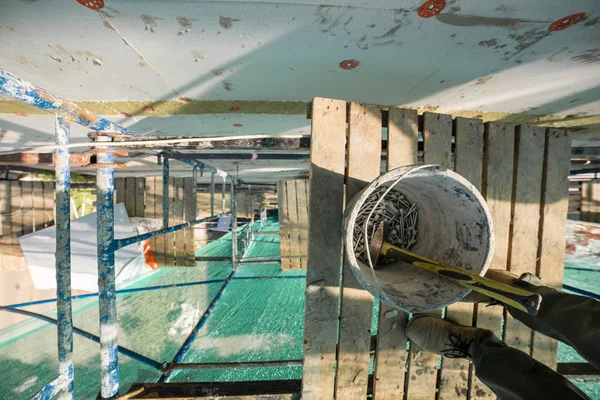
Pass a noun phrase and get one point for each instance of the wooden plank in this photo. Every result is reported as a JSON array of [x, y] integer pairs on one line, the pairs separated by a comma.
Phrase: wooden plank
[[139, 197], [130, 196], [17, 210], [328, 140], [301, 193], [527, 193], [159, 252], [552, 228], [595, 202], [497, 187], [437, 145], [150, 211], [456, 373], [180, 258], [5, 225], [403, 134], [391, 354], [49, 204], [120, 190], [27, 195], [364, 155], [38, 205], [189, 214], [292, 210], [284, 238], [170, 238], [437, 134]]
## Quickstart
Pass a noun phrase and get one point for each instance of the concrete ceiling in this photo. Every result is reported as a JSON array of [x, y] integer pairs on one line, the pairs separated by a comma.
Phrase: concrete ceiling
[[486, 56]]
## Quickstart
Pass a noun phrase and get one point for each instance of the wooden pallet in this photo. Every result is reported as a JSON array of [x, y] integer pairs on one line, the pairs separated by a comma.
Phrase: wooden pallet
[[143, 197], [293, 223], [510, 165], [590, 201]]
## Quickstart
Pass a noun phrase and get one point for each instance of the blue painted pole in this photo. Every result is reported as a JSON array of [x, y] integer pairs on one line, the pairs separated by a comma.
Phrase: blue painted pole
[[165, 191], [212, 193], [223, 186], [24, 91], [109, 361], [63, 260], [119, 243], [49, 390], [234, 242]]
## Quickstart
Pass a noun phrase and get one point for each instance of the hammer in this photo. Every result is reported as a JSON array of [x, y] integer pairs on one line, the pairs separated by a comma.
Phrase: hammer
[[518, 298]]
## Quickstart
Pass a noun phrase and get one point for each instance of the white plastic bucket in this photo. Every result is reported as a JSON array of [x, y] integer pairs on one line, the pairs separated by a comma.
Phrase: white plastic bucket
[[454, 227]]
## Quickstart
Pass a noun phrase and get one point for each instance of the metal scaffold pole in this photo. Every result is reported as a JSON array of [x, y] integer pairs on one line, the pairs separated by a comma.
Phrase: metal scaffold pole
[[109, 362], [63, 262]]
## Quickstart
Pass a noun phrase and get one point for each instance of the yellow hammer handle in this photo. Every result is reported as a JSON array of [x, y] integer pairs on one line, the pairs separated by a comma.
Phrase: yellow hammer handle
[[513, 296]]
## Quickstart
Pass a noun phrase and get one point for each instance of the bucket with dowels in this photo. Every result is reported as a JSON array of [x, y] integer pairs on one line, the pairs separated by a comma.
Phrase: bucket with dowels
[[430, 211]]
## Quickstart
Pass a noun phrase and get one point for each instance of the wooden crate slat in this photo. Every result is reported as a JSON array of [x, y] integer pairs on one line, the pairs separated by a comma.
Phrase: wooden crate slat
[[27, 195], [529, 164], [139, 197], [38, 205], [284, 238], [17, 210], [5, 225], [324, 247], [553, 228], [49, 206], [180, 258], [130, 196], [189, 214], [437, 142], [302, 194], [170, 237], [159, 252], [391, 354], [294, 233], [120, 190], [497, 190], [364, 155], [456, 373]]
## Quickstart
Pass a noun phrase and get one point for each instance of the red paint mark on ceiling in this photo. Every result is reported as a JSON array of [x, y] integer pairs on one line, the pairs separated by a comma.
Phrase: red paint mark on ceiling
[[431, 8], [429, 107], [184, 99], [349, 64], [20, 114], [126, 115], [92, 4], [238, 125], [148, 108], [234, 109], [566, 22]]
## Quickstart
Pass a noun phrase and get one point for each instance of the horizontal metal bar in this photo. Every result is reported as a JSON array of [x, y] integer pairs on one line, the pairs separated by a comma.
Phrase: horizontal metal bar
[[240, 156], [200, 164], [266, 390], [24, 91], [50, 390], [582, 292], [120, 243], [579, 370], [130, 353], [254, 364]]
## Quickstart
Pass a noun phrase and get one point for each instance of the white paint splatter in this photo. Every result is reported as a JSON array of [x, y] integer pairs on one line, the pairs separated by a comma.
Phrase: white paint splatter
[[28, 384]]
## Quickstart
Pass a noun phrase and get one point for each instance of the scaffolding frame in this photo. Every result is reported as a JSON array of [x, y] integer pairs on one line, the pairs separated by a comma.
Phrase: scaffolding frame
[[66, 113]]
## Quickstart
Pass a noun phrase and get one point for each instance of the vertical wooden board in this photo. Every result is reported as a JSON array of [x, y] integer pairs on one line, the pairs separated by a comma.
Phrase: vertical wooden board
[[327, 157], [38, 205], [49, 204], [529, 164], [5, 225], [585, 201], [437, 142], [189, 214], [302, 220], [437, 139], [553, 228], [456, 373], [170, 238], [120, 190], [149, 211], [159, 252], [364, 156], [391, 354], [595, 202], [130, 196], [27, 195], [292, 209], [180, 258], [403, 134], [17, 209], [497, 187], [139, 197], [284, 238]]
